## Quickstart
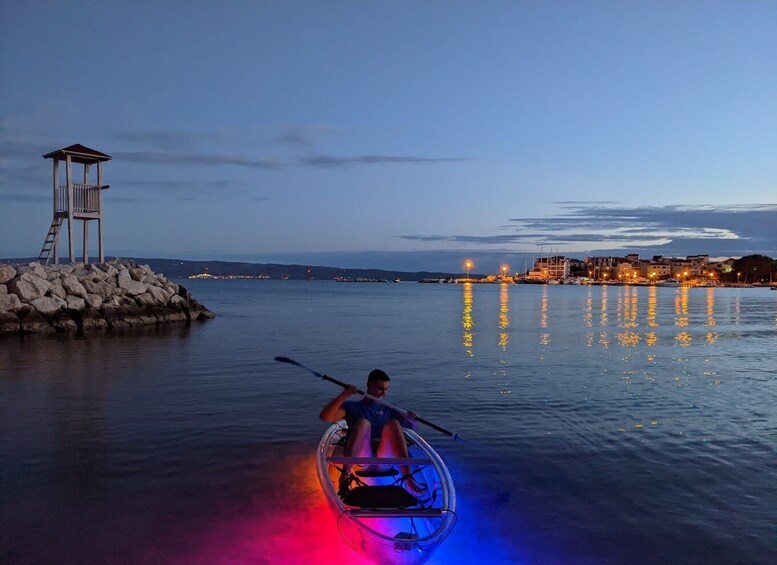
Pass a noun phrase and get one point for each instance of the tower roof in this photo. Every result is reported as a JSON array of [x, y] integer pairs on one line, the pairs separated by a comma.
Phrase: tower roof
[[78, 154]]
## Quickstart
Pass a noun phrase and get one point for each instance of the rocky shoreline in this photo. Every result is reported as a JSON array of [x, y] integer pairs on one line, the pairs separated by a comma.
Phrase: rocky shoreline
[[76, 298]]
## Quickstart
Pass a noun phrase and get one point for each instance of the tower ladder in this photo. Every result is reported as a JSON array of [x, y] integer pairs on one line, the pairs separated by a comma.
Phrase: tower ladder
[[48, 243]]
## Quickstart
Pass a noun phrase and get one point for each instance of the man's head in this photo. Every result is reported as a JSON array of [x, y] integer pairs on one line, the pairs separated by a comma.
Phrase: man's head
[[377, 383]]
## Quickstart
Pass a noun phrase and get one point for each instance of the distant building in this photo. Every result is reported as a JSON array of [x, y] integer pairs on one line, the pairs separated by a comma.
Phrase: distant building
[[598, 266], [576, 266], [656, 269], [628, 269], [631, 267], [551, 268]]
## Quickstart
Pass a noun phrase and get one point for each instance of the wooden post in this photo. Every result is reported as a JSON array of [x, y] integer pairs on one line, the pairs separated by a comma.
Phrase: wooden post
[[86, 221], [100, 210], [86, 242], [68, 173], [54, 216]]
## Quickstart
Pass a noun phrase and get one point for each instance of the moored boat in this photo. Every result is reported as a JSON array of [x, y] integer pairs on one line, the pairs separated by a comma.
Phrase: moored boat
[[377, 516]]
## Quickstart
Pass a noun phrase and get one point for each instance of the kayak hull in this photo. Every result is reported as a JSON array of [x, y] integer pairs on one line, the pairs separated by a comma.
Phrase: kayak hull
[[385, 533]]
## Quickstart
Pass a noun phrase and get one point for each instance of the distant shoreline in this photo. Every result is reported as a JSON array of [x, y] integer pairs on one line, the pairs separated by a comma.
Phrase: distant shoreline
[[181, 268]]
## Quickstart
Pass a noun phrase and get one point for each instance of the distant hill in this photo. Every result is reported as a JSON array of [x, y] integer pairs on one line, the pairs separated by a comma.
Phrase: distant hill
[[179, 268]]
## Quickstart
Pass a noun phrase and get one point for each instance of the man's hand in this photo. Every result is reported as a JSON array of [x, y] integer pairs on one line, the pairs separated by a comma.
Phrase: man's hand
[[334, 411]]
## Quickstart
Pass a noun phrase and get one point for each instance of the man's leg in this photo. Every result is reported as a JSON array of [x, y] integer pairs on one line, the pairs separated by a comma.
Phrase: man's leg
[[393, 444], [358, 445]]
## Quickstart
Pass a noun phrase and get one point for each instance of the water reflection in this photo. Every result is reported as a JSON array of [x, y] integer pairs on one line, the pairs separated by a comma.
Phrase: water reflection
[[737, 310], [588, 311], [466, 320], [603, 317], [504, 335], [504, 316], [629, 304], [588, 316], [544, 336], [712, 336], [626, 316], [650, 336], [683, 338]]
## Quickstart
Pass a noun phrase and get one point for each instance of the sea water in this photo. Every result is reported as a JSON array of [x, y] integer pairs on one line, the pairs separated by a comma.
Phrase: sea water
[[602, 425]]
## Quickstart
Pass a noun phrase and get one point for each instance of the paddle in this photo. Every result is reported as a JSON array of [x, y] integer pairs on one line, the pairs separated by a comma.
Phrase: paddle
[[281, 359]]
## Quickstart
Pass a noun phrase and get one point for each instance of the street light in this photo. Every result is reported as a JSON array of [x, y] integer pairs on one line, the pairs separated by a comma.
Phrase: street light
[[468, 265], [504, 268]]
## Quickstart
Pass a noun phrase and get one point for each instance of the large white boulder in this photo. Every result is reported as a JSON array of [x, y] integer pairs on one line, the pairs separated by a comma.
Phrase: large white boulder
[[41, 283], [28, 287], [76, 303], [108, 268], [7, 273], [102, 289], [131, 287], [47, 305], [32, 268], [138, 274], [73, 287], [94, 301], [97, 273], [10, 303], [57, 289], [160, 295]]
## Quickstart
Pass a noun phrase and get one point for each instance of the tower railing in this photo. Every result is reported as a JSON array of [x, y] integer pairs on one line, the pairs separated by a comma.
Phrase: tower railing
[[86, 198]]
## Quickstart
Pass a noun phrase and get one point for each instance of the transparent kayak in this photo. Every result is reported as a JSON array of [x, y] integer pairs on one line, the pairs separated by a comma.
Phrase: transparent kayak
[[376, 515]]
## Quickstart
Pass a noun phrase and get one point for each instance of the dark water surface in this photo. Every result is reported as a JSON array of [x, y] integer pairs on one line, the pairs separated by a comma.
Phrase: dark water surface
[[604, 425]]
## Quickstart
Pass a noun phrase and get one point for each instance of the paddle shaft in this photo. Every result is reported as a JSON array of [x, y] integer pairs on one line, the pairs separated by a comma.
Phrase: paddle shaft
[[367, 395], [389, 405]]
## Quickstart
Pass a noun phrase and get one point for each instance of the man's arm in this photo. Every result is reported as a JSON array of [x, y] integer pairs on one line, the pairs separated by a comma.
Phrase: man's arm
[[410, 421], [334, 411]]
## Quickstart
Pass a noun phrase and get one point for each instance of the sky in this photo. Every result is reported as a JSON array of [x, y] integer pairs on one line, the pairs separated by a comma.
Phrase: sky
[[399, 135]]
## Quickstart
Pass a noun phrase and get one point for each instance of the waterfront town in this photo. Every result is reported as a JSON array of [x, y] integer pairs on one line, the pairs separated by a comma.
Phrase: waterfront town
[[693, 270]]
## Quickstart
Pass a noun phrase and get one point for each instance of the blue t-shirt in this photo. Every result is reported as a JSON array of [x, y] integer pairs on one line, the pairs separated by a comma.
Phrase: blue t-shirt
[[375, 413]]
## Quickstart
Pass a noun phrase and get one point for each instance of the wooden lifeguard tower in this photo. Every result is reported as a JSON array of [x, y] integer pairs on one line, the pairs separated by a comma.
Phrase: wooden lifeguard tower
[[75, 201]]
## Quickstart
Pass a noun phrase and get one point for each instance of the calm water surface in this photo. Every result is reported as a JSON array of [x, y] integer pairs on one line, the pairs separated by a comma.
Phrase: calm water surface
[[604, 425]]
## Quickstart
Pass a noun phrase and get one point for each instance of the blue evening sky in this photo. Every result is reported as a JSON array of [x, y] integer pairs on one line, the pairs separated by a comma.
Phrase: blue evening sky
[[404, 135]]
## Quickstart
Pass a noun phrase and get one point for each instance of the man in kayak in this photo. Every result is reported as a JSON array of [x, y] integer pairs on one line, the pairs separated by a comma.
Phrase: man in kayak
[[374, 430]]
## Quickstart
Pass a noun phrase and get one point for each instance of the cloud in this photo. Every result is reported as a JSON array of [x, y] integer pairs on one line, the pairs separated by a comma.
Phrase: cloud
[[167, 140], [169, 185], [330, 161], [586, 202], [304, 135], [674, 229], [188, 190], [172, 148], [476, 239], [167, 158], [294, 138], [23, 149], [17, 197]]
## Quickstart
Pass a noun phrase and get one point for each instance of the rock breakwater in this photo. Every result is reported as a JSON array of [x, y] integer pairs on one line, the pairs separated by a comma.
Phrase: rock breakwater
[[75, 298]]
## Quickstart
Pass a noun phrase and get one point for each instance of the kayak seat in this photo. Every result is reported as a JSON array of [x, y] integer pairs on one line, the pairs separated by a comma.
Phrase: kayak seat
[[379, 496], [390, 472]]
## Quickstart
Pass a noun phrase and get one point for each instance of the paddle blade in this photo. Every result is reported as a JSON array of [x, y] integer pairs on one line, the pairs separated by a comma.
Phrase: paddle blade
[[282, 359]]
